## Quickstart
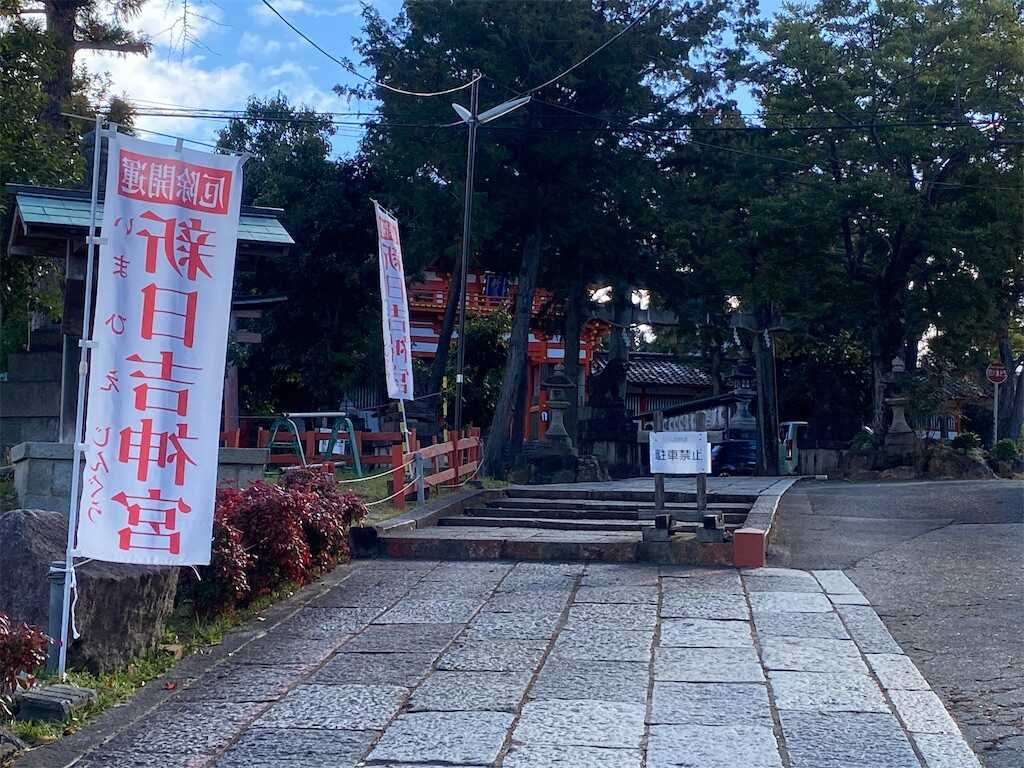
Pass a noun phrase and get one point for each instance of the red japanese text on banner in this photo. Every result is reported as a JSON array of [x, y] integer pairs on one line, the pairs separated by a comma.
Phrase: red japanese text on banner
[[394, 308], [163, 298]]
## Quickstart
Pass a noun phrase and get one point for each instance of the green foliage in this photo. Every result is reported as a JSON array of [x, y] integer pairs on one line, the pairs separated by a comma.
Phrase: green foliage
[[329, 277], [966, 442], [862, 441], [1005, 450], [486, 350]]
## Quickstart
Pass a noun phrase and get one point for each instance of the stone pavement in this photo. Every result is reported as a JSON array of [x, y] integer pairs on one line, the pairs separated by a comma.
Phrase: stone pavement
[[531, 665]]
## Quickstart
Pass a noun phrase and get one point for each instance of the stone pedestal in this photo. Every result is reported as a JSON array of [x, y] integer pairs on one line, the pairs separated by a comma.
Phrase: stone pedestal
[[900, 440], [42, 472]]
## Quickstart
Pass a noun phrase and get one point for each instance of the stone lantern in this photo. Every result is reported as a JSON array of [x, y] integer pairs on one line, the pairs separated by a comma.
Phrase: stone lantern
[[559, 388]]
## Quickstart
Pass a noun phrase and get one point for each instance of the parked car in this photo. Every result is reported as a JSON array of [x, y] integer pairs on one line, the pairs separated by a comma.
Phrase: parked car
[[734, 457]]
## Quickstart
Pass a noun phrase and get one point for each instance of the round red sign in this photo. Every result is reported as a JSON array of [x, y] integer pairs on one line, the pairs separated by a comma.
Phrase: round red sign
[[996, 372]]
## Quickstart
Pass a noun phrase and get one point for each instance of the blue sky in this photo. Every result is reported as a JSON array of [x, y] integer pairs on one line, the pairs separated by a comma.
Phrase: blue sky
[[239, 48]]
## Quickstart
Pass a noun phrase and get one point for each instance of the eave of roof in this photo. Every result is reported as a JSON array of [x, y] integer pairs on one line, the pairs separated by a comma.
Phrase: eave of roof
[[69, 208]]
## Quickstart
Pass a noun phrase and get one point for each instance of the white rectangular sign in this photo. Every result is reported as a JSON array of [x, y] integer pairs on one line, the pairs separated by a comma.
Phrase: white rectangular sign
[[680, 453], [394, 308], [170, 226]]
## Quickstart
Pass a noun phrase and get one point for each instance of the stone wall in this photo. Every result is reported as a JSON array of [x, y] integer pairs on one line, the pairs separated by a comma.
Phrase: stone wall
[[42, 472]]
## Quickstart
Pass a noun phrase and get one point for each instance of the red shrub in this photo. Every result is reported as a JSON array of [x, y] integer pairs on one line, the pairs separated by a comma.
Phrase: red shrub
[[267, 535], [225, 582], [328, 517], [22, 651]]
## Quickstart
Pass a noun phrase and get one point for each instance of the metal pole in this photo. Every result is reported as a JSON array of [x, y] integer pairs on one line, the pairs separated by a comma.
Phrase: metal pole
[[467, 222], [995, 413], [83, 372]]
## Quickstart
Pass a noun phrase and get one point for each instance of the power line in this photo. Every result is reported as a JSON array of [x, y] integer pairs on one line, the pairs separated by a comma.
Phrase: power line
[[348, 67], [640, 17]]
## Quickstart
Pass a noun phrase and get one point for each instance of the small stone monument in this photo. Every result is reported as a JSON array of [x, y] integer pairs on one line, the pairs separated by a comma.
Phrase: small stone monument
[[559, 388], [553, 459]]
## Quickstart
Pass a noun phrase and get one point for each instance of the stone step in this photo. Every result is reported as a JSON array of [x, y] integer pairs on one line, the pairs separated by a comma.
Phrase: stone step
[[573, 513], [605, 494], [34, 366], [524, 502], [547, 523]]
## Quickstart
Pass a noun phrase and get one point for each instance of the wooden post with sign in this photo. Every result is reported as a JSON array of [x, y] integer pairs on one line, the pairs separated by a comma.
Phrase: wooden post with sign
[[659, 478], [702, 478]]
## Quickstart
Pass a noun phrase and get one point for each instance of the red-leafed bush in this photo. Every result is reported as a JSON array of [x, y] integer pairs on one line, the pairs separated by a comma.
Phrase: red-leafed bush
[[225, 583], [330, 514], [22, 651], [268, 534]]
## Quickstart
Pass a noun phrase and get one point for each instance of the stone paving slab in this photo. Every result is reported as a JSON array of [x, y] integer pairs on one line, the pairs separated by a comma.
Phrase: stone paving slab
[[730, 745], [460, 738], [529, 665]]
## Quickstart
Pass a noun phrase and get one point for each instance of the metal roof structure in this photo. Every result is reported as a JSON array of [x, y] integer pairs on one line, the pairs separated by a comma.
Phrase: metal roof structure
[[53, 208], [657, 368]]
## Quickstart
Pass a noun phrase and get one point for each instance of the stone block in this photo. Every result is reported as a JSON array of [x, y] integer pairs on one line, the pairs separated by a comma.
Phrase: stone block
[[811, 654], [746, 745], [827, 692], [336, 707], [705, 633], [709, 703], [707, 665], [897, 672], [121, 609], [52, 703], [867, 629], [841, 739], [604, 645], [404, 669], [799, 625], [789, 602], [452, 738], [457, 691], [585, 723], [624, 681], [715, 605], [923, 712], [548, 756], [945, 751]]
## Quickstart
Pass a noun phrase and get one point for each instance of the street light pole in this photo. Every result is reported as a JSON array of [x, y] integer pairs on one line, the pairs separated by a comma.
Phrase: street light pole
[[467, 224], [473, 120]]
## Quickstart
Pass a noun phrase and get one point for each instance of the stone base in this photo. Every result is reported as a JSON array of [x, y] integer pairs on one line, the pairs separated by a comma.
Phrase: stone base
[[52, 703], [121, 609], [42, 472]]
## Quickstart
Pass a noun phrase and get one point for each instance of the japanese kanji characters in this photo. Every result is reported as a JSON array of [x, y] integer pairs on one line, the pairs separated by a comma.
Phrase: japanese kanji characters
[[394, 310], [157, 353], [173, 182]]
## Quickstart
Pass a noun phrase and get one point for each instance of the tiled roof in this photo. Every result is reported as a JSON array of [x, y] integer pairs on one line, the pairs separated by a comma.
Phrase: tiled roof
[[659, 368], [68, 210]]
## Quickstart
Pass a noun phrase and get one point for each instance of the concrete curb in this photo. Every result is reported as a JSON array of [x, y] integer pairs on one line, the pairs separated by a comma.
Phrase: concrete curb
[[750, 543]]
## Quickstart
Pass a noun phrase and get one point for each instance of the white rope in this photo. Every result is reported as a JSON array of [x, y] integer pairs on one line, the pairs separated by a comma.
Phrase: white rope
[[382, 474], [389, 498]]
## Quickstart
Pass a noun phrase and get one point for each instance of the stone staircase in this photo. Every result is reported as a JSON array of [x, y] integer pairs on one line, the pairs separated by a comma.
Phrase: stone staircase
[[572, 510], [584, 521]]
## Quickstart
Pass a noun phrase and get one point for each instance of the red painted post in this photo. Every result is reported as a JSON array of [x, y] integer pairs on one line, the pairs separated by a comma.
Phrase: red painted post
[[397, 474]]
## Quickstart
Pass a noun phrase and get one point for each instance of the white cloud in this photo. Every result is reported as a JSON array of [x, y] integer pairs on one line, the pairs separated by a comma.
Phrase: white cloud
[[252, 43], [290, 8]]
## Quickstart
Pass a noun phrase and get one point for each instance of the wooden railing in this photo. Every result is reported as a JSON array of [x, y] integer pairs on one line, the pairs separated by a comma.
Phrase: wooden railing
[[442, 464], [374, 448]]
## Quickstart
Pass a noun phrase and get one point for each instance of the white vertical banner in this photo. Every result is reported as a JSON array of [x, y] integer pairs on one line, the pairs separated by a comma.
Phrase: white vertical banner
[[166, 264], [394, 308]]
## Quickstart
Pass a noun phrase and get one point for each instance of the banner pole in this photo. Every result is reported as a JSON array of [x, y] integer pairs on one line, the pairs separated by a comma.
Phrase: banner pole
[[83, 370], [405, 426]]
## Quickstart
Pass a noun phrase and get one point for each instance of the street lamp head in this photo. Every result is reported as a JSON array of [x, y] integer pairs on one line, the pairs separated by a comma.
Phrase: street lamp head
[[503, 109], [464, 114], [491, 114]]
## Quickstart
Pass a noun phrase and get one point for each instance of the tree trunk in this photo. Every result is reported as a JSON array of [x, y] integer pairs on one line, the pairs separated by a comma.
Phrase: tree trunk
[[879, 370], [1011, 394], [515, 364], [574, 320], [444, 341], [60, 25]]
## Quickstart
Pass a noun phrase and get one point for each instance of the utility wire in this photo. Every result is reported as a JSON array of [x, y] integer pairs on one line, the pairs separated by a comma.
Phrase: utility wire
[[639, 17], [348, 67]]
